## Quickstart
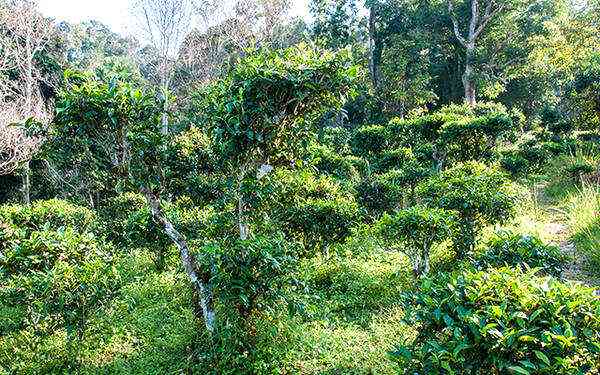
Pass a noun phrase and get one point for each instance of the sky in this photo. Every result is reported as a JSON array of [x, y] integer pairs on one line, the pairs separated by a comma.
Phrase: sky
[[114, 13]]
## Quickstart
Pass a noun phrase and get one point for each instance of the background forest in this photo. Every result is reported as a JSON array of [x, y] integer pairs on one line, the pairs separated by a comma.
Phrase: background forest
[[387, 187]]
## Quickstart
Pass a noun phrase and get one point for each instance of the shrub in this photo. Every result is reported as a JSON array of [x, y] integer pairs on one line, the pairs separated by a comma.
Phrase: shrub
[[419, 130], [418, 229], [589, 136], [290, 187], [128, 223], [53, 276], [40, 250], [395, 159], [550, 116], [337, 138], [559, 148], [478, 110], [480, 195], [514, 163], [50, 214], [534, 153], [380, 193], [347, 168], [312, 209], [206, 189], [369, 140], [502, 321], [406, 179], [115, 215], [509, 249], [248, 274], [473, 139], [321, 222], [561, 128], [579, 169]]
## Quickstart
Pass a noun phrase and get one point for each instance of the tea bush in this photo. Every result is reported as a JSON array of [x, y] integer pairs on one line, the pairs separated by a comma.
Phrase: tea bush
[[473, 139], [319, 222], [54, 272], [312, 209], [380, 193], [517, 250], [503, 321], [480, 195], [336, 138], [395, 159], [345, 168], [50, 214], [480, 109], [248, 274], [414, 231], [514, 163], [369, 140], [128, 223]]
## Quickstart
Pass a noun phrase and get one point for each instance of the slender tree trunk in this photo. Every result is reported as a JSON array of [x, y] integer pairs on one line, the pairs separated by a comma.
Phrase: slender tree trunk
[[467, 78], [29, 109], [242, 224], [27, 183], [425, 268], [200, 283], [165, 83], [373, 58]]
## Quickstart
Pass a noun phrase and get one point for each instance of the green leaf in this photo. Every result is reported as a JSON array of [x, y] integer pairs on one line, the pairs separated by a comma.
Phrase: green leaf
[[542, 357], [448, 320], [519, 370]]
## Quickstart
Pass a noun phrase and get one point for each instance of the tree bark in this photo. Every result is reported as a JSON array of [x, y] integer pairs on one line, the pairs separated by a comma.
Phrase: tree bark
[[243, 226], [27, 183], [200, 283], [165, 91], [467, 78], [373, 46]]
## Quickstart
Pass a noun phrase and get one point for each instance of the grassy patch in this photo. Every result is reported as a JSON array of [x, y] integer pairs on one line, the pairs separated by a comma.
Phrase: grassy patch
[[584, 221]]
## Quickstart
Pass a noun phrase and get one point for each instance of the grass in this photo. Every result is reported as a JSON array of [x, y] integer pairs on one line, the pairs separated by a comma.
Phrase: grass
[[584, 222], [346, 319], [557, 197]]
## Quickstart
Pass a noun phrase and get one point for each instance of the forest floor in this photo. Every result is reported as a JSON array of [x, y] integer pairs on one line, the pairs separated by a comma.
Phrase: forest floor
[[577, 266], [556, 227]]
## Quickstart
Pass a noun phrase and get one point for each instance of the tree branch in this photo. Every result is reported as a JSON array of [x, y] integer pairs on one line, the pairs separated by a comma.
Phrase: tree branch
[[455, 24]]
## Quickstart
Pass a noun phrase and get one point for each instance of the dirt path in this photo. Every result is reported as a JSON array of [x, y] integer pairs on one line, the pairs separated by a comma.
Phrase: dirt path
[[576, 266]]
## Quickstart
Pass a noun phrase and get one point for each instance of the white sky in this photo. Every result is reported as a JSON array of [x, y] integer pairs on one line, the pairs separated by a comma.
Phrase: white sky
[[114, 13]]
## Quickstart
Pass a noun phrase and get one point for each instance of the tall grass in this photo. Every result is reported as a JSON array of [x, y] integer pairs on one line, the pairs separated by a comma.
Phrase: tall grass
[[584, 222]]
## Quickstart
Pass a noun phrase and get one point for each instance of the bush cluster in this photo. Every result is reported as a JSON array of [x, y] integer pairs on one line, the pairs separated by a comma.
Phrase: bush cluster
[[506, 248], [501, 321]]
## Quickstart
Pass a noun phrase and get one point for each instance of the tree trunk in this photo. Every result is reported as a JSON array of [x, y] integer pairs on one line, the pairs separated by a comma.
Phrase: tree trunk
[[165, 91], [27, 183], [373, 58], [200, 283], [467, 77], [425, 268], [242, 224]]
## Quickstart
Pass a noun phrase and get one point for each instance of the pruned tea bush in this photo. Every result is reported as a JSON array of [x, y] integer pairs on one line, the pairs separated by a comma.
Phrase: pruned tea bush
[[503, 321]]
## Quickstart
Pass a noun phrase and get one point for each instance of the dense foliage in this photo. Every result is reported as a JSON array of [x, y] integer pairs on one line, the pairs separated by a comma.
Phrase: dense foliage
[[481, 196], [393, 187], [502, 321]]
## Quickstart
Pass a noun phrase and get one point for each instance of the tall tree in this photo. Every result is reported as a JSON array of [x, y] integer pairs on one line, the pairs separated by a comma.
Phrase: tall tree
[[164, 25], [479, 16], [16, 146], [336, 24], [223, 30], [26, 38]]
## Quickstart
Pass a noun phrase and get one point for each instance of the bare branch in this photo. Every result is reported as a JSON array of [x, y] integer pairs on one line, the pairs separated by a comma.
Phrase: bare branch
[[16, 147], [457, 33]]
